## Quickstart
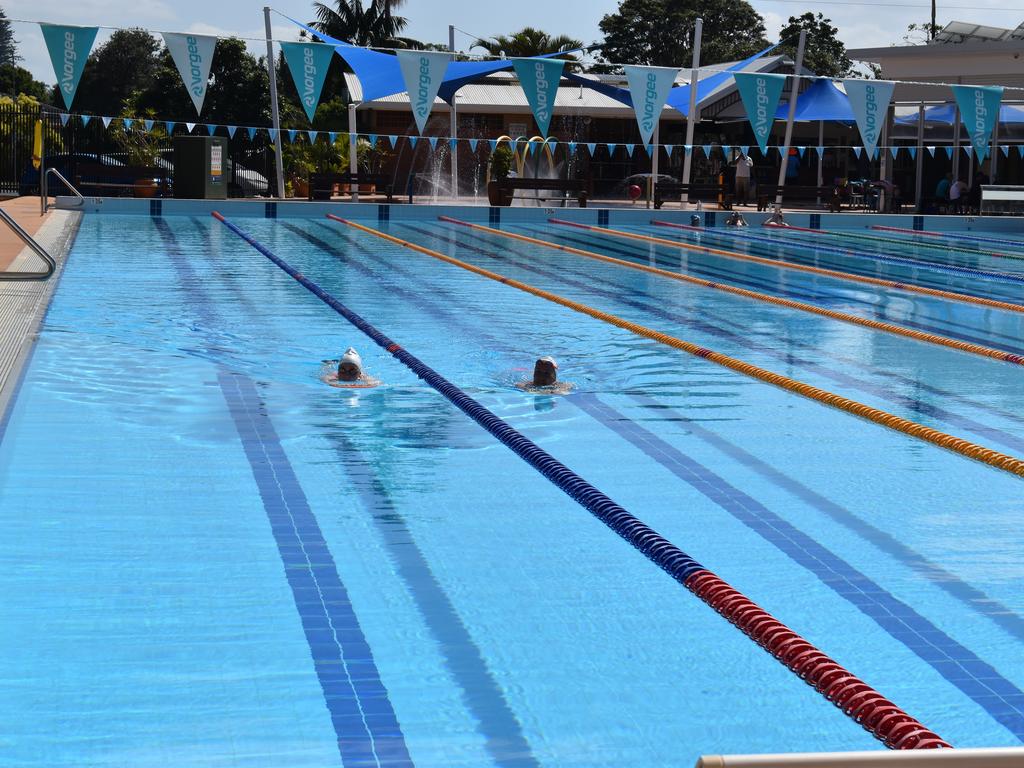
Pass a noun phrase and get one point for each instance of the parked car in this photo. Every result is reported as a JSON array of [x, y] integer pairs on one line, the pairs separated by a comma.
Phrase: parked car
[[65, 163]]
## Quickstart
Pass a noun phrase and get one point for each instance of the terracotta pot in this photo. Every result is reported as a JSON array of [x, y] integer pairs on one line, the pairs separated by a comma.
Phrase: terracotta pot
[[301, 187], [367, 189], [498, 197], [146, 187]]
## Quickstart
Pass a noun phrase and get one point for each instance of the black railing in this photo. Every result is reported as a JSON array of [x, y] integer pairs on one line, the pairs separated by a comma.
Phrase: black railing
[[250, 162]]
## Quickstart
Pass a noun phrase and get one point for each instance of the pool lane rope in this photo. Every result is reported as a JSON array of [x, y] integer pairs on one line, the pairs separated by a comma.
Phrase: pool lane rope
[[966, 448], [895, 241], [877, 325], [904, 261], [887, 722], [838, 274], [1019, 244]]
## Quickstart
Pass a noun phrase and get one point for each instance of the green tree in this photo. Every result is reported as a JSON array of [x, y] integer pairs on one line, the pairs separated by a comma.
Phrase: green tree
[[238, 92], [15, 80], [8, 45], [528, 42], [918, 34], [824, 52], [660, 32], [122, 66], [371, 24]]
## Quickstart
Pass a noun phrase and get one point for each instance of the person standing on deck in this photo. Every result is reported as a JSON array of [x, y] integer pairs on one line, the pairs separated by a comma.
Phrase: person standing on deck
[[743, 165]]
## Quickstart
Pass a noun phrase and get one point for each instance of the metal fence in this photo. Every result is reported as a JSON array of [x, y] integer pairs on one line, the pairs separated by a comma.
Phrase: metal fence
[[250, 161]]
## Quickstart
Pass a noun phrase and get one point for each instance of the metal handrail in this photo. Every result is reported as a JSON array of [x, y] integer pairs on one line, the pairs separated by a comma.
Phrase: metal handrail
[[44, 188], [1000, 757], [51, 265]]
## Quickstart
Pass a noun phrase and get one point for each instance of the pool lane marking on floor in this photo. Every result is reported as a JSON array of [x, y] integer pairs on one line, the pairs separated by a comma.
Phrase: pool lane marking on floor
[[972, 597], [900, 241], [617, 292], [875, 325], [779, 264], [958, 665], [852, 696], [955, 236], [939, 324], [366, 728], [481, 693], [966, 448]]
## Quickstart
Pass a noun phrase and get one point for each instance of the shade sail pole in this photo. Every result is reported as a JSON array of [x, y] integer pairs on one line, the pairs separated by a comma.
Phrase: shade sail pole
[[798, 65], [692, 115], [274, 110]]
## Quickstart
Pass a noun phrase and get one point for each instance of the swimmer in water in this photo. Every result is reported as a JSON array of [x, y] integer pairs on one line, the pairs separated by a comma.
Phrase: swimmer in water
[[350, 372], [545, 379]]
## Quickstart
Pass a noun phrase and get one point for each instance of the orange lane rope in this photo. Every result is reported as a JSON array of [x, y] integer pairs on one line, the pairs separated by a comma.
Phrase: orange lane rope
[[838, 274], [877, 325], [966, 448]]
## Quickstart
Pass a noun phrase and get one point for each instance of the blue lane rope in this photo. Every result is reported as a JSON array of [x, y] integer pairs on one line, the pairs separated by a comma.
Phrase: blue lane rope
[[663, 553], [806, 245]]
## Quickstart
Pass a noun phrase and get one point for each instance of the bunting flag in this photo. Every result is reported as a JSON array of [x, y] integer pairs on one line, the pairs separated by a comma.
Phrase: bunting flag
[[169, 125], [1020, 150], [1006, 150], [801, 151], [869, 100], [913, 152], [332, 136], [308, 63], [532, 147], [433, 142], [745, 150], [650, 149], [894, 151], [931, 151], [86, 119], [312, 136], [572, 147], [687, 148], [629, 149], [423, 72], [211, 129], [127, 123], [453, 144], [649, 88], [552, 145], [472, 145], [668, 150], [493, 144], [539, 80], [189, 127], [857, 151], [393, 140], [372, 138], [252, 132], [591, 148], [231, 131], [412, 141], [979, 110], [148, 125], [64, 117], [611, 149], [272, 133], [760, 95], [949, 152], [193, 55], [821, 151], [707, 150], [68, 48], [291, 135]]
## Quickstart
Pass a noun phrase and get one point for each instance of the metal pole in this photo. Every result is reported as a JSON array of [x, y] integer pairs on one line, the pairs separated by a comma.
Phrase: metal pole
[[798, 64], [956, 144], [44, 193], [454, 132], [655, 150], [821, 153], [919, 173], [692, 116], [275, 112], [993, 161], [353, 151]]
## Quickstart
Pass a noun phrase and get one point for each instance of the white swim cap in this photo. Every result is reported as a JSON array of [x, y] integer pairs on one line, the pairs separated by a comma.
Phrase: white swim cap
[[548, 359], [351, 356]]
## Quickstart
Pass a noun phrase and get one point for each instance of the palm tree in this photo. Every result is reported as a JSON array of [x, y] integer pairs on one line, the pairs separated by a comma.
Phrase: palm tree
[[371, 23], [528, 42]]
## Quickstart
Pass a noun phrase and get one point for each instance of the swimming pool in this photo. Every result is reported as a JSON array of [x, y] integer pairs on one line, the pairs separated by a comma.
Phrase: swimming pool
[[466, 612]]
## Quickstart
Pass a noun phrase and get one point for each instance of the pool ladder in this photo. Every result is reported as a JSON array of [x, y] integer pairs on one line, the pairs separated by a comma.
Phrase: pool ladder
[[36, 248]]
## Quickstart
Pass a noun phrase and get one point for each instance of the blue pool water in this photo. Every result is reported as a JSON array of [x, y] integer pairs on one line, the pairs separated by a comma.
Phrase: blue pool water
[[211, 558]]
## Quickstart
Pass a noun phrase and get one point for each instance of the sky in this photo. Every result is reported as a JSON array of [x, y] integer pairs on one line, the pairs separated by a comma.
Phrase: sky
[[868, 24]]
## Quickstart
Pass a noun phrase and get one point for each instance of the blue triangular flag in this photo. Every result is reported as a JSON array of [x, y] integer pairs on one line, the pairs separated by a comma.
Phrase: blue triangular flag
[[169, 125], [312, 136], [591, 148], [332, 136], [876, 153], [148, 124], [650, 149], [858, 151], [292, 132], [687, 148], [931, 151], [372, 139], [1020, 150], [611, 149], [472, 144], [393, 140], [412, 141], [668, 149], [106, 121], [211, 128], [189, 127], [949, 152], [572, 147], [630, 148], [86, 119], [252, 132], [894, 151], [552, 145], [913, 152], [745, 149], [127, 123], [532, 147], [493, 143], [64, 117], [453, 144], [801, 151], [433, 142], [272, 133], [231, 131], [1006, 150], [707, 150]]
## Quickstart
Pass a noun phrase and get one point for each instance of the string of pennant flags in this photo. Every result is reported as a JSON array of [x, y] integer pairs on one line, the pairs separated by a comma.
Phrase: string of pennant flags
[[591, 149], [423, 73]]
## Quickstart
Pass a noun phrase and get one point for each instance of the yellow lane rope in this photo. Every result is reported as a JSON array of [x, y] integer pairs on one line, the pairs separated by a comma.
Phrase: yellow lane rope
[[839, 275], [898, 423], [910, 333]]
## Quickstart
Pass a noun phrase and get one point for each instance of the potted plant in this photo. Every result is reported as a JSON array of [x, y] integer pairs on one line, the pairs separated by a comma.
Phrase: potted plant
[[143, 150], [299, 163], [500, 168]]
